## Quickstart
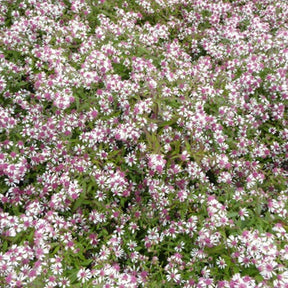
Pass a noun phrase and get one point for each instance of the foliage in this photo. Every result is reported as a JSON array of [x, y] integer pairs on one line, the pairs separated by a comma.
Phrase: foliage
[[143, 143]]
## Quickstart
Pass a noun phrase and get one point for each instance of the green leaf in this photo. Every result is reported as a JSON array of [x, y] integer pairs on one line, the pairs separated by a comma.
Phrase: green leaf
[[232, 214], [167, 123], [77, 102], [86, 262], [73, 275], [4, 246], [103, 233], [57, 247], [30, 237], [188, 146], [215, 250]]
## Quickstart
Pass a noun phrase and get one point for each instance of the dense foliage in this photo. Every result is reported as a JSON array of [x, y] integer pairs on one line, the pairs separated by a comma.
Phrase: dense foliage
[[143, 143]]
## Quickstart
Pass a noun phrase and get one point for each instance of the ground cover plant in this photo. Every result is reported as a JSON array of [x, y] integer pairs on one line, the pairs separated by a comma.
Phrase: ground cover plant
[[143, 143]]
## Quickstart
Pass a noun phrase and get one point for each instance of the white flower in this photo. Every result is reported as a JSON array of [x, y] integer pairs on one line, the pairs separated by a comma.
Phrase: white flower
[[243, 213], [267, 269], [84, 275], [221, 263], [173, 275], [130, 159]]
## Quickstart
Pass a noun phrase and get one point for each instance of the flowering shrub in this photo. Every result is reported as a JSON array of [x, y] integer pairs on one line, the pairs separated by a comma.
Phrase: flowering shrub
[[143, 143]]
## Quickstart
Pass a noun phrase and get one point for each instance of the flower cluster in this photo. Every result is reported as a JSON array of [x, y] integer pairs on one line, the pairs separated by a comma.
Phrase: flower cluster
[[143, 143]]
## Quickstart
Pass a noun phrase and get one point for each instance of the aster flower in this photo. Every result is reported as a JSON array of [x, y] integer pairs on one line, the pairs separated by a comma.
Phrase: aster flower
[[193, 93], [173, 275], [267, 269], [221, 263], [64, 282], [84, 275], [243, 213]]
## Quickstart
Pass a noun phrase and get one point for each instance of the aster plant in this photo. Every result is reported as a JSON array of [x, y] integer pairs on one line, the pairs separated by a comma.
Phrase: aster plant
[[143, 143]]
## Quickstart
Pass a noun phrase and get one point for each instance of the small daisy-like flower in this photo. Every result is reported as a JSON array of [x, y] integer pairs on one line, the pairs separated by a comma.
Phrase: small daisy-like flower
[[133, 227], [205, 272], [130, 159], [131, 245], [104, 253], [180, 246], [173, 275], [221, 263], [243, 213], [142, 147], [64, 282], [206, 282], [84, 275], [152, 127], [100, 195], [232, 241], [57, 268], [267, 269]]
